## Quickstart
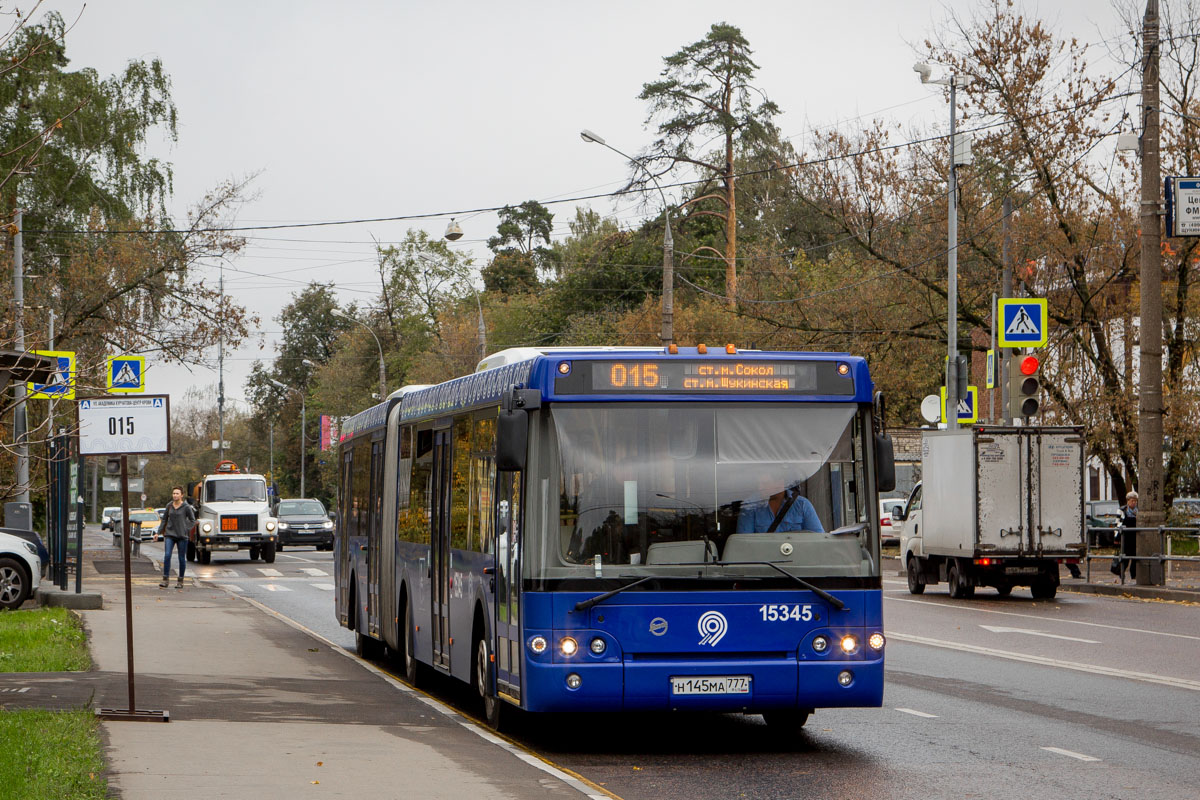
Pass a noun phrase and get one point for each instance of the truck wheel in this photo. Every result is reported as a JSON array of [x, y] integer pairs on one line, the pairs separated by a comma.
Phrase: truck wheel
[[1043, 589], [205, 556], [254, 553], [14, 584], [915, 584], [1004, 589], [958, 589], [191, 551], [268, 553]]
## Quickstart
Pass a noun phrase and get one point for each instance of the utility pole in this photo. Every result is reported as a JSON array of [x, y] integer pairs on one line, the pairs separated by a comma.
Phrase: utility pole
[[952, 366], [20, 420], [221, 368], [1006, 290], [1150, 402]]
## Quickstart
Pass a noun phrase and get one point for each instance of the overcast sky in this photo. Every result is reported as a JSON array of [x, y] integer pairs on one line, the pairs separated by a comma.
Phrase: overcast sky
[[378, 109]]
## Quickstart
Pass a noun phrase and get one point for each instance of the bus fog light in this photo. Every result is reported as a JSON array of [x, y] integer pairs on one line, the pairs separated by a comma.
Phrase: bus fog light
[[574, 681], [568, 646], [820, 644], [876, 641], [598, 645], [845, 677], [850, 644], [538, 644]]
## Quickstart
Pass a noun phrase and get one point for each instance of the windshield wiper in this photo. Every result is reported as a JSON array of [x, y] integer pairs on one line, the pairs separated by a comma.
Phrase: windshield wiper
[[817, 590], [584, 605]]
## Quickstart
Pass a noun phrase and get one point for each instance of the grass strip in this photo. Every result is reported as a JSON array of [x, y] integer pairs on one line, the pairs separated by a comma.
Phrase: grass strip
[[51, 755], [42, 640]]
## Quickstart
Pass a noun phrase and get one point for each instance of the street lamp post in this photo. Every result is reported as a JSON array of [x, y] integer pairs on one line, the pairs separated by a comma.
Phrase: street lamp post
[[668, 290], [952, 364], [478, 305], [337, 312], [303, 421]]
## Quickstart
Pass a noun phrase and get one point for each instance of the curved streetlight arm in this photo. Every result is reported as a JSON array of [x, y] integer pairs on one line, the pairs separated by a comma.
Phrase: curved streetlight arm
[[668, 290], [382, 371]]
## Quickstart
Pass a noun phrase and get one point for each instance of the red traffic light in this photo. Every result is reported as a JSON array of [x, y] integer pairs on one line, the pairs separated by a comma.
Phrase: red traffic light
[[1029, 365]]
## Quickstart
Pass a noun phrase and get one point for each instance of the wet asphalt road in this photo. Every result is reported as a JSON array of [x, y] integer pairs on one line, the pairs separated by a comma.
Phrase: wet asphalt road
[[1079, 697]]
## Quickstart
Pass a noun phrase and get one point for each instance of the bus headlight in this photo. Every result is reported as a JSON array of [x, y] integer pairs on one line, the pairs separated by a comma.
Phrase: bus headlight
[[538, 645], [820, 644], [849, 644], [875, 642], [568, 646], [206, 527], [598, 645]]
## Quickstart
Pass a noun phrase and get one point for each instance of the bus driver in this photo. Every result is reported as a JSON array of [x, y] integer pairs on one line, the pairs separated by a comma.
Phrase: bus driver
[[780, 511]]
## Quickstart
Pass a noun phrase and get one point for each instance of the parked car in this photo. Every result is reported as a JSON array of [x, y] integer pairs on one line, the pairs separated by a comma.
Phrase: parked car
[[106, 517], [1103, 514], [304, 521], [20, 570], [890, 513], [143, 523]]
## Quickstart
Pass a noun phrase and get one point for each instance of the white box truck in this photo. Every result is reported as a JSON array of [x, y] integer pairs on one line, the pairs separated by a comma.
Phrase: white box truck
[[997, 507], [232, 513]]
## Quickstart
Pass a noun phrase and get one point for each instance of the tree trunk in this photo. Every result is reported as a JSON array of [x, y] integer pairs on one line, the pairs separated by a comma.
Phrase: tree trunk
[[730, 228]]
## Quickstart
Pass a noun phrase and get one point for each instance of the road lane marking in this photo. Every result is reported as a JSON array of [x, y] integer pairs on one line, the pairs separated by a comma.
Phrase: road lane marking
[[541, 763], [1145, 677], [1042, 619], [226, 573], [997, 629], [230, 587], [270, 572], [271, 587], [316, 573], [917, 713], [328, 587], [1070, 754]]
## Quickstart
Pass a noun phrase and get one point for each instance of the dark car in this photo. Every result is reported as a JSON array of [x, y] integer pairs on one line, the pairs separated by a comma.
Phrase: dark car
[[1103, 518], [303, 521]]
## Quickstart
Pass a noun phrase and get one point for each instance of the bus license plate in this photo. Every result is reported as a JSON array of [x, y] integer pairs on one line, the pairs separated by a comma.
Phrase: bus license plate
[[711, 684]]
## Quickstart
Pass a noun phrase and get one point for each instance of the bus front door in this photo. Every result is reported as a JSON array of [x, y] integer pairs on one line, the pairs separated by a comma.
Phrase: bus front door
[[439, 548], [508, 585]]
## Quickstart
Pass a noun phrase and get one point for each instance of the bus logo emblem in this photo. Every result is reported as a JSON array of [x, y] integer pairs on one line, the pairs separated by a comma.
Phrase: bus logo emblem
[[712, 627], [658, 626]]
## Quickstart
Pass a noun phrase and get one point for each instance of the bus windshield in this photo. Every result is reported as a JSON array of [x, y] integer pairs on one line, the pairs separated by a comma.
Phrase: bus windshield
[[228, 489], [646, 489]]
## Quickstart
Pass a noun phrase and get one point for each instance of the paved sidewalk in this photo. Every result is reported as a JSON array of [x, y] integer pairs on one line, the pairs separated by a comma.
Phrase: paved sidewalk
[[262, 709]]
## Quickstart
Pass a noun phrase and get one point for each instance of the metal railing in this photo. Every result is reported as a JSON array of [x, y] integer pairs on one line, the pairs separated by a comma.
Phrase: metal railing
[[1165, 543]]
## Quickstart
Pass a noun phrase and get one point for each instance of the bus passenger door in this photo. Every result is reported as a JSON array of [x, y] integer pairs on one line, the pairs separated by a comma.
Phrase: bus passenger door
[[373, 528], [508, 585], [439, 547]]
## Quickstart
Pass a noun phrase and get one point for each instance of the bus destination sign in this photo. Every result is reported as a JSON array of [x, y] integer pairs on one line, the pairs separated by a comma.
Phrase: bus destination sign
[[715, 376]]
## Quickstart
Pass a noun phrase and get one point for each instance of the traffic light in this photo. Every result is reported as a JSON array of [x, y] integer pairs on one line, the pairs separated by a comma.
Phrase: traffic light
[[1023, 386]]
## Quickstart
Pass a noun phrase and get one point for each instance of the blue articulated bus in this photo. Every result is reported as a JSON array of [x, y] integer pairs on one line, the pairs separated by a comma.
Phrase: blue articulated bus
[[608, 529]]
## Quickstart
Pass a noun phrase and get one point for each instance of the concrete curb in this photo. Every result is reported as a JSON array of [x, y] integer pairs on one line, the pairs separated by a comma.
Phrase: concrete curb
[[57, 597], [1133, 592]]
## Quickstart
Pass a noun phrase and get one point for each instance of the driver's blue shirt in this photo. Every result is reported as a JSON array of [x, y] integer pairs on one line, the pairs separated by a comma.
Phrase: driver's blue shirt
[[757, 518]]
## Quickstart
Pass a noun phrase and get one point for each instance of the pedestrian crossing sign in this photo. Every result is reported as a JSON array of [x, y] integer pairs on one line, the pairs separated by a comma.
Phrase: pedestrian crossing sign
[[968, 407], [61, 385], [1023, 322], [126, 374]]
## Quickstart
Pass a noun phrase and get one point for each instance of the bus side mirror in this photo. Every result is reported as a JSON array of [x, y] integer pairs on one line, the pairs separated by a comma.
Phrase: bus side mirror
[[512, 440], [885, 464]]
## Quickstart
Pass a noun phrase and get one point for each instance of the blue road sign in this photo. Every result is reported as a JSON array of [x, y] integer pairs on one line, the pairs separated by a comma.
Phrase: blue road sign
[[126, 374], [1023, 323], [968, 407], [61, 385]]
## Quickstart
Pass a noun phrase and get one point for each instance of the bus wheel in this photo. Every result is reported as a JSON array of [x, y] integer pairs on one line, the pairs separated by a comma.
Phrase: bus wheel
[[412, 667], [786, 722], [483, 684], [268, 553]]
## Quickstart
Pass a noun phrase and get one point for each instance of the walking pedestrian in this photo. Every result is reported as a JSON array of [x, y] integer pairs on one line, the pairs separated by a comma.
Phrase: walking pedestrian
[[176, 523], [1128, 535]]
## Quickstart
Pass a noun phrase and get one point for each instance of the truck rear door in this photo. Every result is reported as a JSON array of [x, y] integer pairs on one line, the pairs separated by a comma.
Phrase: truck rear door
[[1001, 486], [1057, 496]]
